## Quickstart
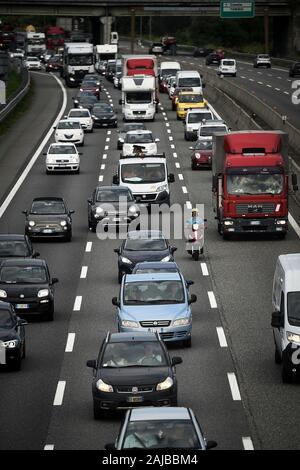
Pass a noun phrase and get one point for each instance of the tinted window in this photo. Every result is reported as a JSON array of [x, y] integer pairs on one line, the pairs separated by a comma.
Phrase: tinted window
[[23, 274], [138, 97], [58, 149], [155, 270], [48, 207], [293, 308], [6, 319], [79, 113], [143, 173], [69, 125], [134, 354], [139, 138], [113, 196], [153, 292], [204, 145], [190, 98], [206, 130], [133, 127], [198, 117], [255, 184], [145, 244], [13, 248], [189, 81]]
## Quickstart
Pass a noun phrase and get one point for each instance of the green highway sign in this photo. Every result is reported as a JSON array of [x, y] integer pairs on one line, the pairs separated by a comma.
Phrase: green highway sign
[[237, 9]]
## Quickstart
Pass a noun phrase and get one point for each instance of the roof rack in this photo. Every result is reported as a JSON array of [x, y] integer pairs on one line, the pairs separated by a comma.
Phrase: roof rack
[[158, 155]]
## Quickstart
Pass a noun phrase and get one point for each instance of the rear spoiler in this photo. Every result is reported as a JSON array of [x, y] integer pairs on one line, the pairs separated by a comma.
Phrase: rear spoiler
[[158, 155]]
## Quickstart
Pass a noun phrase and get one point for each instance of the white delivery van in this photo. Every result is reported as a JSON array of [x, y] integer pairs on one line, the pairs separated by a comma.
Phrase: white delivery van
[[168, 69], [146, 177], [193, 120], [227, 67], [114, 37], [189, 78], [286, 315], [138, 98]]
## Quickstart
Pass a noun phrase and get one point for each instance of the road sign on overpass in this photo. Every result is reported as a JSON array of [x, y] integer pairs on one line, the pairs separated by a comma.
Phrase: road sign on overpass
[[237, 9]]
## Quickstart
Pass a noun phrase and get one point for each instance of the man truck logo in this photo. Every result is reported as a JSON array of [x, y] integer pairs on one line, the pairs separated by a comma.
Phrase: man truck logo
[[134, 390], [254, 208]]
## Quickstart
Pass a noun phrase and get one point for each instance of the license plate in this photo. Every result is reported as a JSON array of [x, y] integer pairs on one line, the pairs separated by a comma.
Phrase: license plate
[[255, 222], [22, 305], [47, 230], [116, 219], [135, 399], [104, 124]]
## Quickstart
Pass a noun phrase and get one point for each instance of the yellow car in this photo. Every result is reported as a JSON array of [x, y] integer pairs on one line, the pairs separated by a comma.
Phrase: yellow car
[[187, 100]]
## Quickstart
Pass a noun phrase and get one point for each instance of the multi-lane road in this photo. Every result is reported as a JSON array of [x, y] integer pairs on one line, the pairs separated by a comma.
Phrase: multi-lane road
[[228, 377]]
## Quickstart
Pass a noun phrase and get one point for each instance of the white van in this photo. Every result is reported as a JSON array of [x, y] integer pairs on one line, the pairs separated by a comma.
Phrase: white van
[[114, 37], [168, 69], [286, 315], [227, 67], [189, 78]]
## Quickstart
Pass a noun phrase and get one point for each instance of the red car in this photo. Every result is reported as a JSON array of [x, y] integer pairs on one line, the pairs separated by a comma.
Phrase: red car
[[91, 85], [202, 154]]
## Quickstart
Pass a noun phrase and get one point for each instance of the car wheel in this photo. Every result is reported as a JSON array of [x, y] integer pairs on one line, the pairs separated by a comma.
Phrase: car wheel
[[174, 402], [193, 166], [48, 172], [68, 237], [286, 376], [98, 413], [178, 118], [277, 357], [24, 350], [187, 343], [196, 255], [119, 147], [120, 275], [185, 136], [50, 315]]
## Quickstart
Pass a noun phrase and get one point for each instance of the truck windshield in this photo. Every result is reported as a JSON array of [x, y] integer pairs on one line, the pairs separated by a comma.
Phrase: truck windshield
[[293, 308], [255, 184], [189, 81], [36, 41], [80, 59], [140, 97], [139, 173]]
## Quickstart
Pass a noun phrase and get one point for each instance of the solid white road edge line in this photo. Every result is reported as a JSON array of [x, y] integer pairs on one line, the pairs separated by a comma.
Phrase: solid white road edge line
[[70, 342], [247, 443], [59, 395], [222, 337], [294, 224], [34, 158], [235, 392]]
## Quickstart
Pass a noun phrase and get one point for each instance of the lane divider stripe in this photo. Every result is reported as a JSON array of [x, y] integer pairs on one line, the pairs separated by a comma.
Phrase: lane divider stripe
[[59, 395]]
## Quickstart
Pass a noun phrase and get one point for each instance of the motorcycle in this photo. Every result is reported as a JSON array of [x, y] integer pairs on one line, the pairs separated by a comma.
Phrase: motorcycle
[[196, 241]]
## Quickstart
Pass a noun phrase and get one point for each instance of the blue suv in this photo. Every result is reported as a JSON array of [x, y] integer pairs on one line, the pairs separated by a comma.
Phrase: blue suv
[[156, 302]]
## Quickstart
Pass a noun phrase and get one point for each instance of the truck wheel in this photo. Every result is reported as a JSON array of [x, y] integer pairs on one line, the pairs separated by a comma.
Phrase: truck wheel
[[196, 255], [286, 376], [277, 356]]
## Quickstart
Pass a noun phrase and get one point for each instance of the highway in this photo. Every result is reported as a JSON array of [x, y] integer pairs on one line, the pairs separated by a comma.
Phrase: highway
[[228, 376]]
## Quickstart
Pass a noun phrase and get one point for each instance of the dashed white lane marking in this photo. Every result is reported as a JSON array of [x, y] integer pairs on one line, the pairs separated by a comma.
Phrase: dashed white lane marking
[[162, 108], [251, 79], [184, 190], [277, 89], [104, 156], [180, 176], [106, 147], [102, 166], [165, 118], [59, 394], [49, 447], [100, 178], [167, 124], [279, 78], [108, 132], [260, 83], [242, 76], [235, 392], [247, 443], [88, 247], [188, 204], [286, 92], [212, 299], [107, 139], [169, 131], [294, 224], [177, 164], [164, 114], [204, 269], [222, 337], [70, 342], [84, 271], [270, 86], [260, 73], [170, 138], [172, 146], [77, 303]]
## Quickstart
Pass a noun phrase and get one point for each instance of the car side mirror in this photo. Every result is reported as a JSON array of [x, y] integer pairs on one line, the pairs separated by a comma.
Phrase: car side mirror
[[71, 212], [22, 322], [54, 127], [25, 212], [121, 140], [277, 319], [90, 201], [192, 299], [176, 360], [189, 283], [54, 280], [191, 148], [92, 364], [211, 444], [36, 254], [120, 102], [115, 302], [173, 249], [110, 446], [65, 117], [171, 178], [295, 182], [157, 140], [44, 153], [117, 250], [115, 179]]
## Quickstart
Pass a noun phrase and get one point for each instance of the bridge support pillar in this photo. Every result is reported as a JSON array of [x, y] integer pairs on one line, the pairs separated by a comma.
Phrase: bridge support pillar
[[96, 29]]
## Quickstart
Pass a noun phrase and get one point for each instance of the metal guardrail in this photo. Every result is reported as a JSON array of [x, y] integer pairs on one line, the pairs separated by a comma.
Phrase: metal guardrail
[[16, 96]]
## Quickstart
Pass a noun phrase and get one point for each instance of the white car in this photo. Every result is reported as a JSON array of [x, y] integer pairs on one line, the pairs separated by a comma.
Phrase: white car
[[171, 86], [62, 157], [192, 121], [17, 54], [33, 63], [69, 132], [208, 127], [227, 67], [83, 116], [143, 138], [262, 60]]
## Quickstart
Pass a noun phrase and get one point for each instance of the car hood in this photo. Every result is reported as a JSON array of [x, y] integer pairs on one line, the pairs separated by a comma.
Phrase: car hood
[[28, 290], [115, 206], [6, 335], [62, 155], [154, 312], [47, 217], [139, 256], [104, 115], [134, 375]]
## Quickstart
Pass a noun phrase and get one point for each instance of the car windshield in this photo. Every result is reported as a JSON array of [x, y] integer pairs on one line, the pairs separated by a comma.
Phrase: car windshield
[[198, 117], [255, 183], [161, 434], [142, 97], [203, 145], [13, 248], [210, 130], [134, 354], [144, 138], [293, 308], [189, 81], [132, 127], [80, 59], [6, 319], [89, 84], [79, 114], [23, 275], [69, 125], [48, 207], [228, 62], [167, 72], [145, 244], [190, 98], [59, 149], [88, 99], [102, 109], [153, 292], [137, 173], [33, 59], [110, 195]]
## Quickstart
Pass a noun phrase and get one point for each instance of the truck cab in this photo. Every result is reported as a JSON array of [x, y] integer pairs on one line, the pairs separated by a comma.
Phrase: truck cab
[[78, 60], [138, 98]]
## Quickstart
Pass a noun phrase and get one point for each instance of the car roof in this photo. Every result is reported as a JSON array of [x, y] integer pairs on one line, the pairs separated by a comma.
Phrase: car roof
[[140, 131], [159, 413], [23, 262], [291, 266], [113, 188], [131, 337], [12, 236], [169, 276], [136, 234]]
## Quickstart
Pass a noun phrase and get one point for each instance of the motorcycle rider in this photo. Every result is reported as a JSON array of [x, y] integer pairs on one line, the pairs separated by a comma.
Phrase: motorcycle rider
[[193, 237], [195, 219]]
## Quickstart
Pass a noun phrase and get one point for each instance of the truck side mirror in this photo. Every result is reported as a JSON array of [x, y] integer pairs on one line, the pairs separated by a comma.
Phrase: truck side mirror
[[192, 299], [171, 178], [295, 182], [115, 302], [120, 102], [277, 320], [115, 179], [92, 364]]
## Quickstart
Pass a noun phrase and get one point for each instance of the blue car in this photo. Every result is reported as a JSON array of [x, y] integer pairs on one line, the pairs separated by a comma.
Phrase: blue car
[[156, 302]]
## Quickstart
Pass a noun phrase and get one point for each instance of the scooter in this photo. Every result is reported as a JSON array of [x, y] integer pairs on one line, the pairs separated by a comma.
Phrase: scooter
[[196, 241]]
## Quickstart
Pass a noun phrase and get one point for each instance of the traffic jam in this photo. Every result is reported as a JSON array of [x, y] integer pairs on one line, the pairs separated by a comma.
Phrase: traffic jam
[[136, 212]]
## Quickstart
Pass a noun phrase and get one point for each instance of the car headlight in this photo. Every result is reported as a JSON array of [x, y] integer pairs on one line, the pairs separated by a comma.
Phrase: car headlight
[[103, 387], [71, 79], [133, 210], [228, 222], [181, 322], [292, 337], [31, 223], [99, 210], [3, 294], [10, 344], [130, 324], [63, 223], [162, 187], [281, 222], [125, 260], [166, 258], [167, 383], [43, 293]]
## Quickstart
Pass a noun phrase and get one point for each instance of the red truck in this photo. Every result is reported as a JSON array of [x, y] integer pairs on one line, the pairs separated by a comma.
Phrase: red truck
[[250, 182], [55, 37], [141, 65]]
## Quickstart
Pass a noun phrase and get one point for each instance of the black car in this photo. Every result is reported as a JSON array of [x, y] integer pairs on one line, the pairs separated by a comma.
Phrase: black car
[[110, 70], [48, 217], [202, 51], [111, 205], [16, 246], [26, 283], [213, 58], [103, 115], [142, 245], [12, 337], [133, 370], [85, 99], [129, 126], [54, 64], [294, 69]]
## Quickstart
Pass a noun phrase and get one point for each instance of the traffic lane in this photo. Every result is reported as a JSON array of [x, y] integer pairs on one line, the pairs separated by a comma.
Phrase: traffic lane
[[45, 341], [242, 271], [101, 316]]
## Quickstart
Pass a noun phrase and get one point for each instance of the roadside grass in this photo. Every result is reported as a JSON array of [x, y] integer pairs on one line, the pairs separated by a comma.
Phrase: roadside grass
[[18, 112], [13, 82]]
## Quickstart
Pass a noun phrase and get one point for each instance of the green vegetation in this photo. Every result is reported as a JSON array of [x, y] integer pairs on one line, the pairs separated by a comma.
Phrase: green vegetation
[[13, 82], [18, 112]]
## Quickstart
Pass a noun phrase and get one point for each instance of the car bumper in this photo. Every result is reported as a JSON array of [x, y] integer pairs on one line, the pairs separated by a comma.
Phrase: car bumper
[[105, 122], [78, 140], [255, 225], [201, 162], [35, 306], [114, 220], [62, 167], [171, 334], [146, 200], [44, 232], [290, 360], [139, 115], [9, 355]]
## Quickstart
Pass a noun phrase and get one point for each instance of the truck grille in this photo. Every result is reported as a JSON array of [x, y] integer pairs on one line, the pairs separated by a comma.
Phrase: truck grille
[[138, 113], [256, 208], [154, 323], [146, 197]]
